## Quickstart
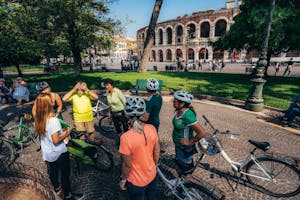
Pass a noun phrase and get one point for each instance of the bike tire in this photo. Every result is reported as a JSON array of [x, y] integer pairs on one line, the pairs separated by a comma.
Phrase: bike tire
[[288, 175], [7, 155], [104, 159], [199, 192], [106, 124]]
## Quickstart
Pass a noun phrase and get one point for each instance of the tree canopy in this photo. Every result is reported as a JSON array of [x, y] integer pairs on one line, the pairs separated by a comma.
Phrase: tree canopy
[[34, 28], [248, 28]]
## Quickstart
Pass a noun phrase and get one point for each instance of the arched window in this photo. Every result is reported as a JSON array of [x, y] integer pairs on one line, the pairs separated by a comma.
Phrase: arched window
[[169, 35], [160, 36], [218, 54], [191, 31], [179, 53], [154, 39], [191, 54], [220, 28], [205, 29], [203, 53], [153, 56], [169, 55], [161, 55], [179, 32]]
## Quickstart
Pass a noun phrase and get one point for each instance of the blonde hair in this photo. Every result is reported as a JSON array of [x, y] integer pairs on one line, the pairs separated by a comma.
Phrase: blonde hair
[[44, 110]]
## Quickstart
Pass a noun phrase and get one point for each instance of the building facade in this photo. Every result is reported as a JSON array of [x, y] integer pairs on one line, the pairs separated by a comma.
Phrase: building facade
[[188, 37]]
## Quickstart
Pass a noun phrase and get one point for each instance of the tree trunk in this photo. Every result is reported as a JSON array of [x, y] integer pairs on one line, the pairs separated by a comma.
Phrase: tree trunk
[[268, 63], [150, 35], [20, 74], [77, 62]]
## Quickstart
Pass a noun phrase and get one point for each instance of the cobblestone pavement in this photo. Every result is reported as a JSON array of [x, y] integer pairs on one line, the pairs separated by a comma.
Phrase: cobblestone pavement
[[104, 185]]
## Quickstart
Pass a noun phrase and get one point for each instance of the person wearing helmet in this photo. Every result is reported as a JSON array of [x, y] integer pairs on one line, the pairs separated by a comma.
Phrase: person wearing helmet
[[139, 150], [186, 132], [153, 103], [116, 101], [44, 87]]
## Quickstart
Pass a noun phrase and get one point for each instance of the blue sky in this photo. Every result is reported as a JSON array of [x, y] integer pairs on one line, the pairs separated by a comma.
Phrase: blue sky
[[140, 11]]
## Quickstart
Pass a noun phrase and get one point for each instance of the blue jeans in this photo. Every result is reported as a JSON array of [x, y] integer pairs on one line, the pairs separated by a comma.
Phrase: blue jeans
[[138, 193]]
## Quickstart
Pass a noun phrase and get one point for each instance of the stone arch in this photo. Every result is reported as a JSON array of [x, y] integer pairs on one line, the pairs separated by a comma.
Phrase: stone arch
[[191, 54], [169, 55], [169, 32], [191, 30], [203, 53], [161, 55], [179, 53], [179, 33], [204, 29], [153, 55], [160, 36], [220, 27]]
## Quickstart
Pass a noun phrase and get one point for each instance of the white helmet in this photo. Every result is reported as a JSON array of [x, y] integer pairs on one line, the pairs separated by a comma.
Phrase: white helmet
[[152, 84], [135, 106], [184, 96], [41, 86]]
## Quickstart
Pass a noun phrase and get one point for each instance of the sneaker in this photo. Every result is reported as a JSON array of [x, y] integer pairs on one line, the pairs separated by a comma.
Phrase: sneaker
[[75, 196]]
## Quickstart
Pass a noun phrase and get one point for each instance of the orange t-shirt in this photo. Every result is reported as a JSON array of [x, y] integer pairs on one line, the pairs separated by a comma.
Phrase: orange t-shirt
[[143, 169]]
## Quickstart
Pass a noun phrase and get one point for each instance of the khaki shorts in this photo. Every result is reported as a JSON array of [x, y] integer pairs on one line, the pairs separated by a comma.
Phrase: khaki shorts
[[87, 127]]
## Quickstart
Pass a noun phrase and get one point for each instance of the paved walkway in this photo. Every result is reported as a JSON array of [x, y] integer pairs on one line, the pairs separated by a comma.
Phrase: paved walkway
[[100, 185]]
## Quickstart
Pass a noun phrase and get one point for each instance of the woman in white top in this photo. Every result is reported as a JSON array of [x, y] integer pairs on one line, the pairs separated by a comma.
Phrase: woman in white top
[[54, 149]]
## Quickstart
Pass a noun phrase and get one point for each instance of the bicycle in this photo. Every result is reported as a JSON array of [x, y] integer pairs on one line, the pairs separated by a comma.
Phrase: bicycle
[[186, 190], [25, 134], [101, 110], [7, 154], [266, 173], [89, 152]]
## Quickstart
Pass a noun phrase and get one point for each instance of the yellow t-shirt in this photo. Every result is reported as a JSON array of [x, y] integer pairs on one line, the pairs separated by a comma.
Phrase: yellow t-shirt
[[82, 108]]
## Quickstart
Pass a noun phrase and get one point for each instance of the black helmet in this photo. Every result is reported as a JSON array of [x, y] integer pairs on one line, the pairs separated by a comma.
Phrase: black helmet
[[41, 86]]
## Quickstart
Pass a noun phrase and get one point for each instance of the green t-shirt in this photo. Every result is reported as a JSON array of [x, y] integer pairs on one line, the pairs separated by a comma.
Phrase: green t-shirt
[[153, 106], [116, 100], [182, 125]]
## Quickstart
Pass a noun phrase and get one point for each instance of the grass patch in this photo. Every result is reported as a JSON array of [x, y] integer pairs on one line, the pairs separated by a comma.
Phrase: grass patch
[[278, 91]]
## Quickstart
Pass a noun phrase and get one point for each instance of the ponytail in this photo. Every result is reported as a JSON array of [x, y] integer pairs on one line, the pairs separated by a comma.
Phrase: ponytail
[[138, 126]]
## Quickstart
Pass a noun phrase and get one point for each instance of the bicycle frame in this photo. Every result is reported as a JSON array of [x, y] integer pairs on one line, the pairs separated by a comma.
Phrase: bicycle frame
[[20, 126], [99, 107], [173, 184]]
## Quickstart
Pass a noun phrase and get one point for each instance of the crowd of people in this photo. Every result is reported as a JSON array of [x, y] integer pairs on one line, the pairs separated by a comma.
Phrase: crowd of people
[[136, 123]]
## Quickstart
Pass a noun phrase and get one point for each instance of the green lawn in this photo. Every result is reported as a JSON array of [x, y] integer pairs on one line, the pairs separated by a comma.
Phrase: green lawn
[[278, 91], [35, 68]]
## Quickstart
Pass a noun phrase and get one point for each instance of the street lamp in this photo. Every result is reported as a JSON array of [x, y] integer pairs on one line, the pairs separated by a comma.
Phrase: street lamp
[[255, 102], [186, 48]]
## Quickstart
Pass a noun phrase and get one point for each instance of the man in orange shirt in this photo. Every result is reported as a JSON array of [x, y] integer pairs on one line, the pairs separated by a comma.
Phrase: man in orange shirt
[[139, 150]]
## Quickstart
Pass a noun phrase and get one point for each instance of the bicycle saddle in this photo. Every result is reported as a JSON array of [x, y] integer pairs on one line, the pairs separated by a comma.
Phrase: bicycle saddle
[[261, 145]]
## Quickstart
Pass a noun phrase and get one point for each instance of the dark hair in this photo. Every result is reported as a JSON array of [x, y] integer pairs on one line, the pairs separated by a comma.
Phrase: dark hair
[[188, 105], [109, 81]]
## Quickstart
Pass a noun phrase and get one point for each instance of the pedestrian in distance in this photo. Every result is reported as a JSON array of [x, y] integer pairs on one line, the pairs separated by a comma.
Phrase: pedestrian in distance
[[139, 150], [289, 67]]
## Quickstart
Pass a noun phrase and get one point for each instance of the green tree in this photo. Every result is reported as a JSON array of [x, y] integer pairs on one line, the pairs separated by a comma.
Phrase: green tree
[[17, 39], [83, 21], [247, 31]]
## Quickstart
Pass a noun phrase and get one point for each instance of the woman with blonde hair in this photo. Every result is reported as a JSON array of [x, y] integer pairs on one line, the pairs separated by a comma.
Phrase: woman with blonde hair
[[53, 148]]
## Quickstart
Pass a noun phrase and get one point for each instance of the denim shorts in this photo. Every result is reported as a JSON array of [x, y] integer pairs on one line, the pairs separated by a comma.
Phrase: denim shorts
[[181, 155]]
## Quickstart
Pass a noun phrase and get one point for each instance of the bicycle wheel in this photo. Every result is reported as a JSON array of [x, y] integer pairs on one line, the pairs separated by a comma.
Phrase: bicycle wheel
[[106, 124], [104, 159], [197, 191], [286, 176], [6, 154]]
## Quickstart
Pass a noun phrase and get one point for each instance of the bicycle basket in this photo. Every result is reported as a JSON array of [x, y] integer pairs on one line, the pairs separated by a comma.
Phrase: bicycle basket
[[209, 146]]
